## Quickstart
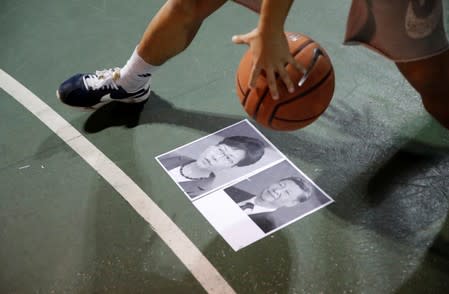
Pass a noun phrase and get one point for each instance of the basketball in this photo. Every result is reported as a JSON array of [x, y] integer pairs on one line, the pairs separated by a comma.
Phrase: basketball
[[295, 110]]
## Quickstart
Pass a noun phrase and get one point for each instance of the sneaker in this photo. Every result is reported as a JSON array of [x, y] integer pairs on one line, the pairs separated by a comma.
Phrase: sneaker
[[91, 91]]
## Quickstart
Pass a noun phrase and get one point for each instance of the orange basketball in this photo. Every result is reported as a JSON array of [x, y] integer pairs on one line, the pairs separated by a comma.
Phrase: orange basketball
[[292, 110]]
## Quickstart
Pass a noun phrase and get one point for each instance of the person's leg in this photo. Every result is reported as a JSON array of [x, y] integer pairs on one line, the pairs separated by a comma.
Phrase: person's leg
[[168, 34], [430, 77], [254, 5], [173, 28], [415, 48]]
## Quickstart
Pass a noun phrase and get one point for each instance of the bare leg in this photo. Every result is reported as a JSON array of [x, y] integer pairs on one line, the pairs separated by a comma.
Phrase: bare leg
[[173, 28], [167, 34], [254, 5], [430, 77]]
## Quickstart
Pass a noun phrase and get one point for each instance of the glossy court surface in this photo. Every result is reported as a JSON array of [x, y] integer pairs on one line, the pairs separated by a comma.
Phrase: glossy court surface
[[64, 229]]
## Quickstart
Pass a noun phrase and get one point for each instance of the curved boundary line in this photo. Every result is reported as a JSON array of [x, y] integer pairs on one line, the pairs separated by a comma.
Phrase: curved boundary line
[[200, 267]]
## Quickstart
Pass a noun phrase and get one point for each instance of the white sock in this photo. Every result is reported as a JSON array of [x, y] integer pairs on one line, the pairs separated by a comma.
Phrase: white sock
[[136, 73]]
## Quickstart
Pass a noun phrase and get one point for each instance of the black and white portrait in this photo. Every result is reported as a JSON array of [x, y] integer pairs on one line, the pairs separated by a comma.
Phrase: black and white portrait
[[277, 196], [262, 203], [219, 158]]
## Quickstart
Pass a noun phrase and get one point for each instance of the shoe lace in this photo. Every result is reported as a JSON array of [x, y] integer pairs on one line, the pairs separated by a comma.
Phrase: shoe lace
[[103, 79]]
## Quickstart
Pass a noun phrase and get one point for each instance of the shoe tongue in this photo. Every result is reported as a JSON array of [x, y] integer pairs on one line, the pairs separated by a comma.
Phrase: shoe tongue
[[96, 81], [104, 74], [91, 81]]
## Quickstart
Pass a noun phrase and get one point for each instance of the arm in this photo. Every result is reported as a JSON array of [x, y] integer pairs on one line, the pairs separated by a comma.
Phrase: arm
[[269, 45], [273, 14]]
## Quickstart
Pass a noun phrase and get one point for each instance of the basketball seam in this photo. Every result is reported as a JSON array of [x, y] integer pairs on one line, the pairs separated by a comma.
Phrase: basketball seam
[[260, 102], [302, 47], [317, 85], [299, 120], [261, 98], [246, 96]]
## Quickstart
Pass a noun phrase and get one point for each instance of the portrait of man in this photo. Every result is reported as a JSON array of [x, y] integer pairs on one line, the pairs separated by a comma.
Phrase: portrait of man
[[286, 192], [276, 196]]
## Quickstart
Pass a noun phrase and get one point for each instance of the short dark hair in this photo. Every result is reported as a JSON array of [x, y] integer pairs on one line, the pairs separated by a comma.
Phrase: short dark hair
[[254, 148], [304, 185]]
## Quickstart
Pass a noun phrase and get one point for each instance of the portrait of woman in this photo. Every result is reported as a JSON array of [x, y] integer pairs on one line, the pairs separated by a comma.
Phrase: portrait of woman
[[196, 175], [218, 159]]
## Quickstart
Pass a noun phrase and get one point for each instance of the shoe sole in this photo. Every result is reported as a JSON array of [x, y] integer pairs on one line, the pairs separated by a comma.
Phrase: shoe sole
[[101, 104]]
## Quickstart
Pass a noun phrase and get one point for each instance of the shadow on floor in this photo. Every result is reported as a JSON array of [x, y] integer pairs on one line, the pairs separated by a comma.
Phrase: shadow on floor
[[392, 184]]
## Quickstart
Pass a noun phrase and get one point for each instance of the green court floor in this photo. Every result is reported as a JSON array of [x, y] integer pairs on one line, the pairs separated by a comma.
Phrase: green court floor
[[64, 229]]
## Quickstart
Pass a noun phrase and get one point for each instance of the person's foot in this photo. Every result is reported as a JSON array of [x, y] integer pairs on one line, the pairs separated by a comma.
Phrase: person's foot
[[91, 91]]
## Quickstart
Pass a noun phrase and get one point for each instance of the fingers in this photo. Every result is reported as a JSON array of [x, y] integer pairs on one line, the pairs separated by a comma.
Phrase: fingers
[[255, 72], [238, 39], [296, 64], [244, 38], [285, 77], [271, 80]]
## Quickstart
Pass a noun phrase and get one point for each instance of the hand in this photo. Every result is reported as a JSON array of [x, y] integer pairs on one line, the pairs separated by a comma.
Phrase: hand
[[270, 54]]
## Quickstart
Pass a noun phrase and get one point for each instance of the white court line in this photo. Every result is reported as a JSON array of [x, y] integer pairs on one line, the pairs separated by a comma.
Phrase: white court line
[[185, 250]]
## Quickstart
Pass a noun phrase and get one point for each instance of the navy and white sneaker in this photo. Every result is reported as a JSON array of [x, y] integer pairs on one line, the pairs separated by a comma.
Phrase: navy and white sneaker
[[91, 91]]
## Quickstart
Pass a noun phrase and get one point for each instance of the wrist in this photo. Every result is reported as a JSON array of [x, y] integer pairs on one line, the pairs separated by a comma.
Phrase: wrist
[[270, 27], [273, 15]]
